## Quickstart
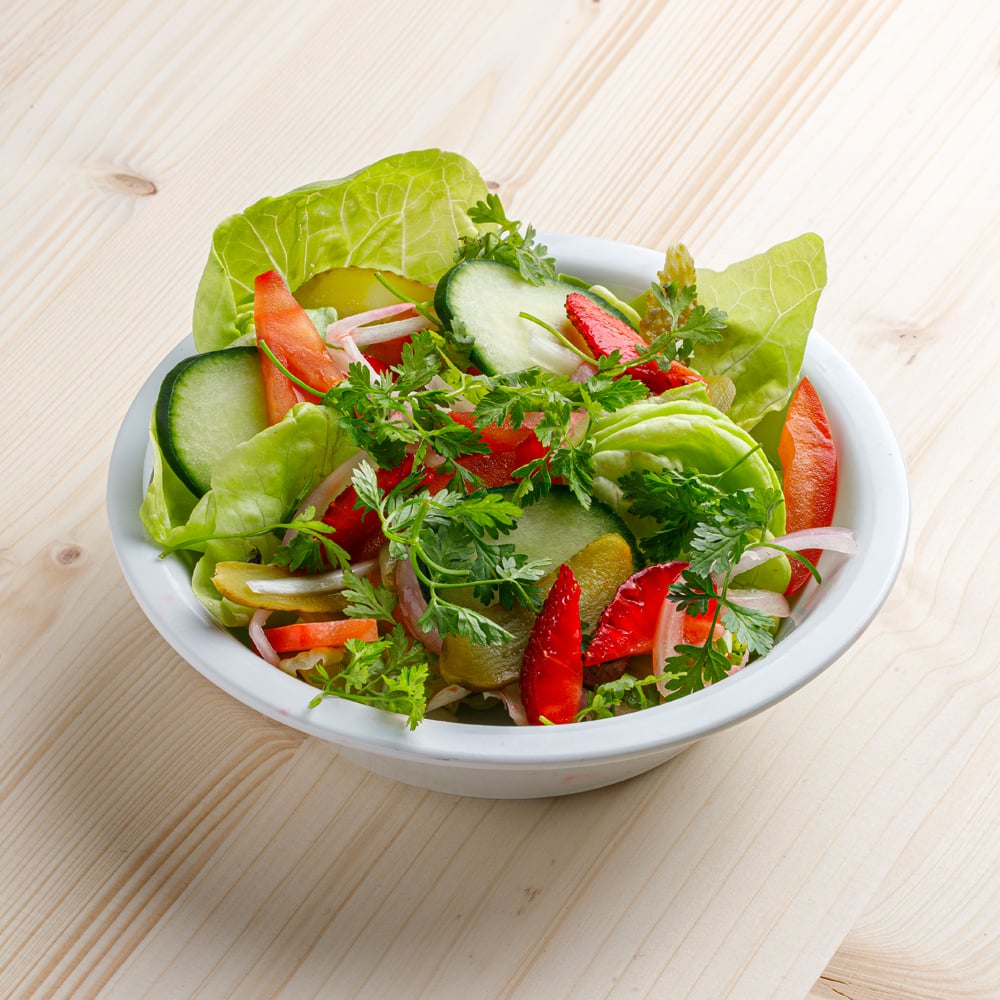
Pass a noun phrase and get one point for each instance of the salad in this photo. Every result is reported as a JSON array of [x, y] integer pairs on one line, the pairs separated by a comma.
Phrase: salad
[[414, 466]]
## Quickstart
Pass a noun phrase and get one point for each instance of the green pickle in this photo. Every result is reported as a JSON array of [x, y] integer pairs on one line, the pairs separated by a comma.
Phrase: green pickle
[[600, 568]]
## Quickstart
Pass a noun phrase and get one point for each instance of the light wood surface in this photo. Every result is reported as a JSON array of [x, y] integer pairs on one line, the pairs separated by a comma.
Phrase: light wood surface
[[159, 839]]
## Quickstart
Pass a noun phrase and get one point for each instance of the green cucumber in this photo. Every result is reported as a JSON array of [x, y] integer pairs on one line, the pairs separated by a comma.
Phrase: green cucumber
[[482, 301], [557, 527], [207, 405]]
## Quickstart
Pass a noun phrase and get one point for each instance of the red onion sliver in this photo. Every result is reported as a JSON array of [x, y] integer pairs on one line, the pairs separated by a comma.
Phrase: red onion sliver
[[386, 332], [348, 323], [259, 639], [446, 696], [668, 633], [346, 342], [832, 539], [511, 698], [329, 488], [583, 371], [412, 605]]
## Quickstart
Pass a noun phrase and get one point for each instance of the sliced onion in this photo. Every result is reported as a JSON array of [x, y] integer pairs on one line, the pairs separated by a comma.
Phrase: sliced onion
[[317, 583], [412, 606], [447, 696], [384, 333], [328, 489], [345, 341], [668, 633], [770, 602], [547, 353], [260, 641], [832, 539], [511, 698], [583, 371], [346, 324]]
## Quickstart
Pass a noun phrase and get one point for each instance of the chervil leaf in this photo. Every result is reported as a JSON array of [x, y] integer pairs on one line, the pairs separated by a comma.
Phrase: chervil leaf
[[390, 674], [507, 244]]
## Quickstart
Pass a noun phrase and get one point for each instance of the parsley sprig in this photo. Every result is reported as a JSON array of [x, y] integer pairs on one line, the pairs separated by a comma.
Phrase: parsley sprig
[[507, 244], [390, 673], [452, 541], [683, 324], [730, 524]]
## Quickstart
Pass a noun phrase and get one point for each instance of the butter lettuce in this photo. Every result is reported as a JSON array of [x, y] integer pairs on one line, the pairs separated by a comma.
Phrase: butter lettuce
[[254, 486], [770, 301], [403, 214], [678, 431]]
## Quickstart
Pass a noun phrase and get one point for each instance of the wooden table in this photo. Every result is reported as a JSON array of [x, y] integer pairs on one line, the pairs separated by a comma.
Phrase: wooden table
[[160, 839]]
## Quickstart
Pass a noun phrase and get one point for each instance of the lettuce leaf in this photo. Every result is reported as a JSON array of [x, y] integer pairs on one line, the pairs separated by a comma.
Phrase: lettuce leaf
[[771, 301], [255, 485], [676, 430], [403, 214]]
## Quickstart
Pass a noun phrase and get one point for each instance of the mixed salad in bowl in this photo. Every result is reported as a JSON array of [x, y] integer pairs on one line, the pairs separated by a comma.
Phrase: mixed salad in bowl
[[415, 466]]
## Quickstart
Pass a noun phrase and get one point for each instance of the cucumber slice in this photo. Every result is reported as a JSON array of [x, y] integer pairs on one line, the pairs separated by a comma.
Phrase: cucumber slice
[[207, 405], [482, 300], [557, 527]]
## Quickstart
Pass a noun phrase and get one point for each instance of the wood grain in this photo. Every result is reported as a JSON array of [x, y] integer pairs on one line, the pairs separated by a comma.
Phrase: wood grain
[[159, 839]]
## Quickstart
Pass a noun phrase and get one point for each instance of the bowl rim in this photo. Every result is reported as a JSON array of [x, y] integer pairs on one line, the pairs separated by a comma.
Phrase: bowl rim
[[852, 593]]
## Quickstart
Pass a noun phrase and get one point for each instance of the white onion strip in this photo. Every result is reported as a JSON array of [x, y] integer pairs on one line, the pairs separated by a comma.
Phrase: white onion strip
[[387, 332], [324, 493], [260, 641], [317, 583], [770, 602], [412, 606], [841, 540]]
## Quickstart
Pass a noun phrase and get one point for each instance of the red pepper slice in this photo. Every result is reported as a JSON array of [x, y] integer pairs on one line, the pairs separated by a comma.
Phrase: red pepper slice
[[359, 531], [552, 668], [809, 471], [312, 635], [285, 327], [605, 333]]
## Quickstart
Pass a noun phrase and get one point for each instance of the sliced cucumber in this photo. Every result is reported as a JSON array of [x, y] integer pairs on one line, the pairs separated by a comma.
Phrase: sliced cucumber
[[207, 405], [482, 300], [557, 527]]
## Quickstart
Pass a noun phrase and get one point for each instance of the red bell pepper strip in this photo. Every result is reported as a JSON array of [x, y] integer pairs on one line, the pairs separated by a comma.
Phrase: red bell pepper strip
[[359, 531], [809, 471], [313, 635], [285, 327], [605, 333], [552, 668], [509, 448]]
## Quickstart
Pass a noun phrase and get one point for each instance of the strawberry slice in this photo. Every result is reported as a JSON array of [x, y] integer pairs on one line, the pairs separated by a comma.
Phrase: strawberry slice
[[628, 623], [552, 668], [605, 333]]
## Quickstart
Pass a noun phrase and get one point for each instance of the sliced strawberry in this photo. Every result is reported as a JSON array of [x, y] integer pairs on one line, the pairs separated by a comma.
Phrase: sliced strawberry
[[552, 668], [628, 623], [605, 333]]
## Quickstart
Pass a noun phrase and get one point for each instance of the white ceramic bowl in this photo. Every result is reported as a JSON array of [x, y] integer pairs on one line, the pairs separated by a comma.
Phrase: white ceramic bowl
[[524, 762]]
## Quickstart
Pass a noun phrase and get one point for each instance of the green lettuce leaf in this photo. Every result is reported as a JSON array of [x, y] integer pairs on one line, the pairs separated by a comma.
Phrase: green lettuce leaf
[[404, 214], [254, 486], [771, 301]]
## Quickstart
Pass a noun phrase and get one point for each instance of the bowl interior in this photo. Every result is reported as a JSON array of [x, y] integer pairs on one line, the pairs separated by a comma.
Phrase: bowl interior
[[873, 499]]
